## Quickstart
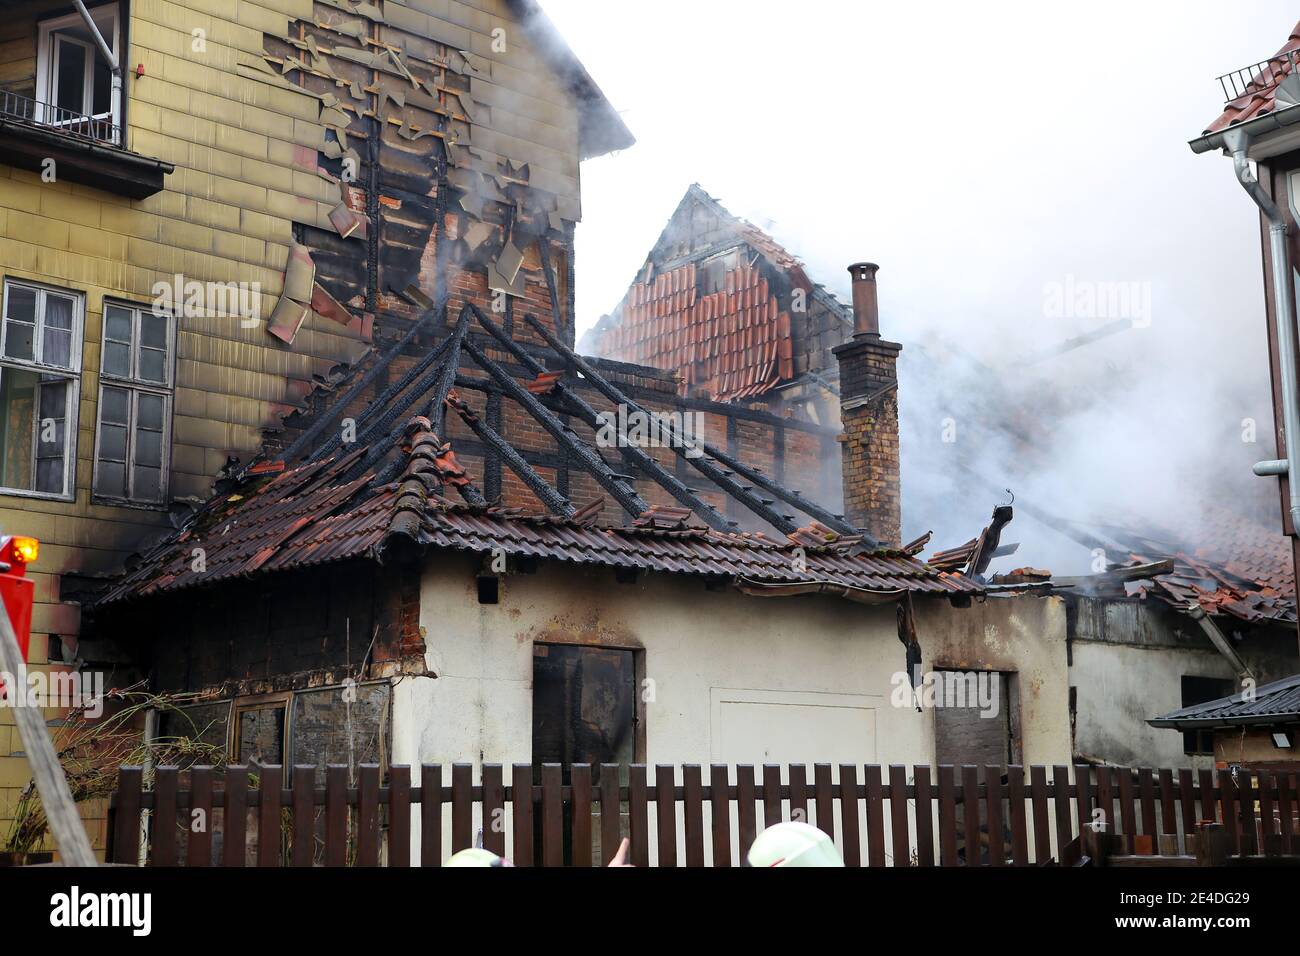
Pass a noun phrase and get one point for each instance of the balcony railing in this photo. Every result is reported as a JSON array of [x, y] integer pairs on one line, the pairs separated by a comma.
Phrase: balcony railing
[[1257, 76], [98, 129]]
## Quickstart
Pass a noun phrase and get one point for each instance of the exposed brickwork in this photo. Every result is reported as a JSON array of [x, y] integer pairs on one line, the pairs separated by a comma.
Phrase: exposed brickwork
[[869, 415]]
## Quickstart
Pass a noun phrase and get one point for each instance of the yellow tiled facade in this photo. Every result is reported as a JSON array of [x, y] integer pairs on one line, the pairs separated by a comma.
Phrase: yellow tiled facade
[[244, 139]]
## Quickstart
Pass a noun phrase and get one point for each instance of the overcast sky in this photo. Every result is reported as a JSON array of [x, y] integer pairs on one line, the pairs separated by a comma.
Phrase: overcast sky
[[981, 154]]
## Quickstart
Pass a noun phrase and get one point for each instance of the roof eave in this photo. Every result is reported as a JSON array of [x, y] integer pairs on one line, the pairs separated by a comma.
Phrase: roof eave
[[1283, 119], [1209, 723]]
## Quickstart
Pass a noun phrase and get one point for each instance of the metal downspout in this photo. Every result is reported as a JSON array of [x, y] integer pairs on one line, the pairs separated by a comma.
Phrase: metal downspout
[[1237, 143], [114, 64]]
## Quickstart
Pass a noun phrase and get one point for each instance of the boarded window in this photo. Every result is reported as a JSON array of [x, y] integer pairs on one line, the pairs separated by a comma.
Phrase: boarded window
[[347, 725], [972, 719]]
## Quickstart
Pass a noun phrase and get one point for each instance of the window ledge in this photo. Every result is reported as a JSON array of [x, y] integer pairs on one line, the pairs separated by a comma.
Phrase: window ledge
[[103, 166]]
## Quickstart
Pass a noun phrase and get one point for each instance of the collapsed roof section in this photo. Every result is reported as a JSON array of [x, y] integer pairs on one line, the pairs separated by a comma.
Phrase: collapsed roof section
[[282, 517], [726, 306]]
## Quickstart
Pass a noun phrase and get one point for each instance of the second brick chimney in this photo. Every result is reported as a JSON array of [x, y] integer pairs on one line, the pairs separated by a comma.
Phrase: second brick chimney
[[869, 413]]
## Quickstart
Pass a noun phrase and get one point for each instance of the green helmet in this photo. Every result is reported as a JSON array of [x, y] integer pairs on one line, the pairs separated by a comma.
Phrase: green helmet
[[476, 856], [793, 844]]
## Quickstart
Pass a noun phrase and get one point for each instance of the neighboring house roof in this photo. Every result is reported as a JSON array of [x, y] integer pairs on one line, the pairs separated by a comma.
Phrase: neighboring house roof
[[601, 129], [322, 501], [734, 343], [314, 514], [1275, 703], [1259, 96]]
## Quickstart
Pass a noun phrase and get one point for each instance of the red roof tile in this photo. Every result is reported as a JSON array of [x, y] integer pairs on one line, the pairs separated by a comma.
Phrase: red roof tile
[[313, 513], [734, 343]]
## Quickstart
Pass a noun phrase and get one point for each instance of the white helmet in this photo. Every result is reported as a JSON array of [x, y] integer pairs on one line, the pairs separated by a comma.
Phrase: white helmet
[[793, 844]]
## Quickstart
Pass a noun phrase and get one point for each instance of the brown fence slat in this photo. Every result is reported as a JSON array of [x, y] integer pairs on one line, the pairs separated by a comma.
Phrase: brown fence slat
[[580, 813], [1038, 812], [198, 841], [268, 816], [639, 813], [399, 815], [746, 809], [521, 802], [1082, 796], [462, 809], [126, 819], [720, 812], [1187, 803], [1168, 819], [771, 794], [993, 812], [849, 814], [1127, 805], [1019, 819], [1106, 799], [1147, 793], [494, 808], [610, 812], [1209, 796], [1246, 804], [336, 815], [1061, 808], [431, 814], [1267, 819], [824, 798], [304, 816], [924, 816], [875, 815], [162, 843], [798, 793], [693, 813], [947, 817], [666, 813], [970, 813], [234, 835], [1286, 805], [898, 831], [552, 815], [1228, 806], [368, 815]]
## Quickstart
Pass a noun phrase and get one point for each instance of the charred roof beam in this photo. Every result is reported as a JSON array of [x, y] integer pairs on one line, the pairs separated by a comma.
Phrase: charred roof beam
[[702, 463], [552, 499], [633, 455], [616, 485]]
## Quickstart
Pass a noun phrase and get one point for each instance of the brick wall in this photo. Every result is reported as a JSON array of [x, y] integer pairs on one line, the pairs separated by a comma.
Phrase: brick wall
[[869, 415]]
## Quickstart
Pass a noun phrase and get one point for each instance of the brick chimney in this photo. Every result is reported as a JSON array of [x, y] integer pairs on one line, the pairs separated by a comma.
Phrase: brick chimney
[[869, 414]]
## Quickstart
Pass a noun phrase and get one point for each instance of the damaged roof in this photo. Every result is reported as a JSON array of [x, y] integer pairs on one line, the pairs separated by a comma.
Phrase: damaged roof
[[733, 341], [1232, 566], [1275, 703], [280, 518]]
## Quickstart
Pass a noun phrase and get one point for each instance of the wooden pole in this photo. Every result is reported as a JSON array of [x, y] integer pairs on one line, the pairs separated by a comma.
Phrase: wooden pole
[[56, 798]]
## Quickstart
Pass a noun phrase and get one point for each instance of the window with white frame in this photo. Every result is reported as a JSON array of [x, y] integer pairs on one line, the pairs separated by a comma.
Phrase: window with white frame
[[132, 442], [73, 80], [40, 365]]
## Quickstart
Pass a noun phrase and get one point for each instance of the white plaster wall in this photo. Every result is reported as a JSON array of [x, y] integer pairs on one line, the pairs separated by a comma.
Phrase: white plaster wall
[[1121, 686], [809, 654]]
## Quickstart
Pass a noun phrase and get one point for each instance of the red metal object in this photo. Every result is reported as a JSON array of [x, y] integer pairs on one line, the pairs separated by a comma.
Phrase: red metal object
[[18, 593]]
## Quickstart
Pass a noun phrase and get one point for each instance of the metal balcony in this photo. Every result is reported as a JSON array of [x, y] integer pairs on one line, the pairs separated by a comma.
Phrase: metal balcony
[[95, 129]]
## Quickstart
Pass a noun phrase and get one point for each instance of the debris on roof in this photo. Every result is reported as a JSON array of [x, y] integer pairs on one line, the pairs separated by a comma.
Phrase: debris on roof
[[974, 557]]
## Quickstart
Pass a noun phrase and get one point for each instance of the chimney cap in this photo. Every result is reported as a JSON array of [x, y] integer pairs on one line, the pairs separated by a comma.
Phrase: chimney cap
[[868, 269]]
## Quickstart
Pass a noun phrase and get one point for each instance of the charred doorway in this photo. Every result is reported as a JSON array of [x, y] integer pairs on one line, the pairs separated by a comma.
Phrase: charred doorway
[[584, 711]]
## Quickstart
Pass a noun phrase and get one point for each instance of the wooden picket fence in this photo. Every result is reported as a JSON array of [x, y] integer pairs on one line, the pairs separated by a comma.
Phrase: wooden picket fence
[[950, 816]]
